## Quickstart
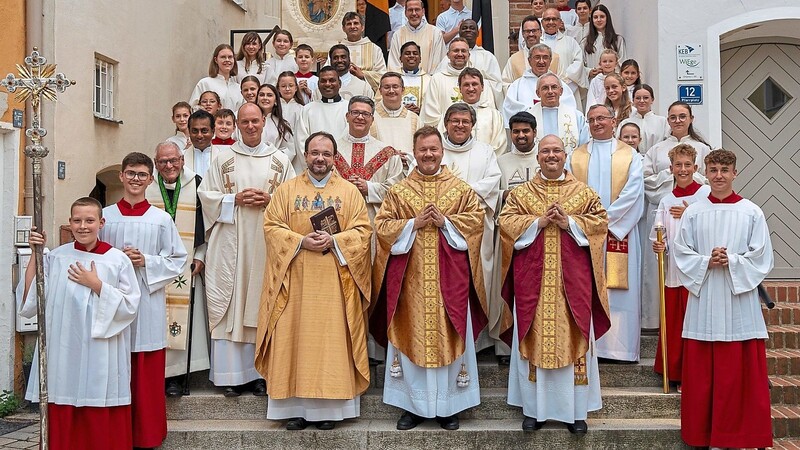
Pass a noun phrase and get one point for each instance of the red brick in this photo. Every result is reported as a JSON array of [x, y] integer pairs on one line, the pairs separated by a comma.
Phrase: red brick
[[792, 294]]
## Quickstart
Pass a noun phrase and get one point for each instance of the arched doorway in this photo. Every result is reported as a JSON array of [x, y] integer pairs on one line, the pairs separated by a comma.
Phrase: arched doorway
[[108, 189], [760, 81]]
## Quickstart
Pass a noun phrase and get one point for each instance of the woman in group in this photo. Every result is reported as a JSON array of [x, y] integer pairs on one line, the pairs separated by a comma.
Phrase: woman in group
[[601, 35], [180, 117], [617, 96], [281, 60], [631, 74], [583, 9], [250, 85], [250, 59], [630, 134], [654, 128], [292, 99], [277, 130], [221, 79], [658, 182], [209, 101]]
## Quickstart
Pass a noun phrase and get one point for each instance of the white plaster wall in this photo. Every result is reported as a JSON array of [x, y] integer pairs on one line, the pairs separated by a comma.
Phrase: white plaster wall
[[9, 164]]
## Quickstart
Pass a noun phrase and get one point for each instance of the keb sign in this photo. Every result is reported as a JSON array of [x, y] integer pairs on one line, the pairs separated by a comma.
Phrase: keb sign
[[690, 61]]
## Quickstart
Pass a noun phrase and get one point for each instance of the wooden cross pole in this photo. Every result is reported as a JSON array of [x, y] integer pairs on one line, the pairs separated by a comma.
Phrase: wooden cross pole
[[38, 79]]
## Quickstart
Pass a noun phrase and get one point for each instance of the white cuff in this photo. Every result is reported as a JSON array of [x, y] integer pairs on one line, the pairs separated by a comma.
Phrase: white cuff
[[406, 239], [453, 237], [528, 236], [226, 213]]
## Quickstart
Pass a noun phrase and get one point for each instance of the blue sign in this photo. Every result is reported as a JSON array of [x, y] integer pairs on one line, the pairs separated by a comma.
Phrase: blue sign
[[691, 93]]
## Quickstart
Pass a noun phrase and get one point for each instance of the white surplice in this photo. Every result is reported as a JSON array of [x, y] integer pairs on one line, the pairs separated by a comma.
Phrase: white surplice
[[621, 342], [652, 128], [236, 254], [430, 41], [521, 96], [230, 93], [276, 65], [89, 335], [243, 71], [156, 237], [723, 301], [181, 140], [327, 115], [570, 57]]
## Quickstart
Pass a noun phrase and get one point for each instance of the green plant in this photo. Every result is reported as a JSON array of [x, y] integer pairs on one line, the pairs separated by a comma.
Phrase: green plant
[[8, 403], [27, 353]]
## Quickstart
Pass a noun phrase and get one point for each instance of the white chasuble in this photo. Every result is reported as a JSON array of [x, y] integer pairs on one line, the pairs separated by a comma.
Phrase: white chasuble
[[430, 41], [565, 122], [521, 96], [395, 128]]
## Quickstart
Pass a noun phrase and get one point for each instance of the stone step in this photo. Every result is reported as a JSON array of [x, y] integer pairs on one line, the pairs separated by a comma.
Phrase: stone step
[[785, 390], [382, 434], [617, 403], [782, 314], [783, 336], [786, 444], [786, 421], [783, 362]]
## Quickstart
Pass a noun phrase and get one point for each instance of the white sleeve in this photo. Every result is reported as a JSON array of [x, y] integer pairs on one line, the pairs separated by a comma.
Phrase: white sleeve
[[116, 307], [527, 238], [338, 253], [226, 214], [406, 239], [161, 269], [751, 267], [575, 231], [453, 236]]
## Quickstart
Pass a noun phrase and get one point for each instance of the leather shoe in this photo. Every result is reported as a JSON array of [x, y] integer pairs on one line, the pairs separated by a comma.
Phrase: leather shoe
[[531, 424], [326, 425], [260, 388], [503, 360], [448, 423], [173, 389], [408, 421], [231, 391], [579, 427], [296, 424]]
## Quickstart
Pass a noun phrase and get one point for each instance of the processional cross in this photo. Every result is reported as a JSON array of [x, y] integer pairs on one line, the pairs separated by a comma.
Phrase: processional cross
[[38, 79]]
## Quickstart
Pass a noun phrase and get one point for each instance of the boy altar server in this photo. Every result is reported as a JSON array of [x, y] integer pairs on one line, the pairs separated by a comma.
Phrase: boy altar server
[[92, 298], [723, 251]]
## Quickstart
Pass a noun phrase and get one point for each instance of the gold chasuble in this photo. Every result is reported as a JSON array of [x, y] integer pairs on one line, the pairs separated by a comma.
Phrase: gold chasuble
[[312, 336], [558, 287], [617, 250], [422, 309]]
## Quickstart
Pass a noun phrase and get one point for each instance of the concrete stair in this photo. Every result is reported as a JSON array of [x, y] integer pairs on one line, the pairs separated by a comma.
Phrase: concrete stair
[[635, 414]]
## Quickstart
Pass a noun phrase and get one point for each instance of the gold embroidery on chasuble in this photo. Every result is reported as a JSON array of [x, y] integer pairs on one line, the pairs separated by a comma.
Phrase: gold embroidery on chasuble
[[227, 175], [554, 340], [420, 327]]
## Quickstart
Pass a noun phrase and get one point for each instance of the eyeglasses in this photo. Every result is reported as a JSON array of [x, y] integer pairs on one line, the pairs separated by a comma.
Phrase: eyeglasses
[[316, 154], [131, 175], [555, 151], [531, 31], [598, 119], [164, 162], [363, 114], [460, 122], [679, 118]]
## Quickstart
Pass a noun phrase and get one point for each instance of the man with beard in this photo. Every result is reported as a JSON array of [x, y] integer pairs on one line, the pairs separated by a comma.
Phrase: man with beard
[[553, 229], [351, 83], [366, 57], [556, 118], [325, 114], [428, 271], [234, 192], [393, 123], [428, 37], [522, 93], [520, 164], [531, 31], [312, 335]]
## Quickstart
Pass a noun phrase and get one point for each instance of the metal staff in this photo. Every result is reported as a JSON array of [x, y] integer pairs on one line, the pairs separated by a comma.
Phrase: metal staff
[[38, 80], [660, 229], [189, 345]]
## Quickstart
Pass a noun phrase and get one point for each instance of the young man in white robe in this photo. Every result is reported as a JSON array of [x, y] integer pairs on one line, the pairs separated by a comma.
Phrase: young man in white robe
[[476, 163], [564, 121], [570, 54], [233, 194], [394, 123], [351, 84], [723, 252], [366, 57], [489, 127], [521, 94], [198, 157], [415, 79], [614, 170], [326, 114], [92, 298], [148, 236], [428, 37], [175, 191]]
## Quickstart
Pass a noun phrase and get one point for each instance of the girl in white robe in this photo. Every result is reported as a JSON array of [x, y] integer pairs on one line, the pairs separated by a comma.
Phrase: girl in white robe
[[277, 130], [250, 60], [283, 58], [221, 79], [601, 35], [180, 117]]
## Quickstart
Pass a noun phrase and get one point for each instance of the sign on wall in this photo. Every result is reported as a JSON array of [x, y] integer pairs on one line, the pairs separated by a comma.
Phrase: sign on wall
[[691, 93], [690, 62]]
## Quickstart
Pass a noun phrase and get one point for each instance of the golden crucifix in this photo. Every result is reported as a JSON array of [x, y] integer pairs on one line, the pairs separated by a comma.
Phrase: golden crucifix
[[38, 79]]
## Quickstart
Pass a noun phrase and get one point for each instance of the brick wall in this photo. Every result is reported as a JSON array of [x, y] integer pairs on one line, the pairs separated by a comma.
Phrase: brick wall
[[517, 10]]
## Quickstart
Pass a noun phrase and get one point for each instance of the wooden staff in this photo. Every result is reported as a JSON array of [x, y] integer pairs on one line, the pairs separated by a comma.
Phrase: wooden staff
[[660, 229]]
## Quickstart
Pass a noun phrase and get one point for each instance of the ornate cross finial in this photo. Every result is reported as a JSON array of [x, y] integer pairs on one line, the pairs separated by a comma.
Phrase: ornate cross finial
[[37, 79]]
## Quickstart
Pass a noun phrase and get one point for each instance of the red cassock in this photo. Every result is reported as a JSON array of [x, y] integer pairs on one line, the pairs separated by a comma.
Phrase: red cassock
[[89, 428], [148, 404], [675, 299]]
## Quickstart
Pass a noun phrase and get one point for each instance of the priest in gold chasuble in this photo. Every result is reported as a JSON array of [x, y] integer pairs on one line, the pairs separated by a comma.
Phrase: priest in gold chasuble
[[429, 289], [311, 342], [551, 223]]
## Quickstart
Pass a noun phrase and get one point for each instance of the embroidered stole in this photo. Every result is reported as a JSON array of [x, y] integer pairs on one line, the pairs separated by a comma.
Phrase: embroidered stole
[[358, 168], [616, 250], [568, 129]]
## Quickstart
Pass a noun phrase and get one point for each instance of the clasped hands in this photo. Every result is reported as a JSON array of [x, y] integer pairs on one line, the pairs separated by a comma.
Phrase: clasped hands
[[317, 241], [429, 215], [719, 257], [252, 197], [554, 214]]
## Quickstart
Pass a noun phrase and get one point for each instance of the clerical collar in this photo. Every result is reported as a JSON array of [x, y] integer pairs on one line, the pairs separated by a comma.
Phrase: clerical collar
[[100, 248], [458, 146], [249, 149], [392, 112], [560, 178], [218, 141], [354, 139], [733, 198], [133, 210], [437, 172], [170, 186], [416, 71], [336, 99], [691, 189], [319, 183], [203, 149], [603, 141]]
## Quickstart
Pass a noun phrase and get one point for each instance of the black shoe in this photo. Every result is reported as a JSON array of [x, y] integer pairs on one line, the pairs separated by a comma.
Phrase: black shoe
[[531, 424], [326, 425], [579, 427], [298, 423], [503, 360], [448, 423], [260, 388], [232, 391], [173, 389], [408, 421]]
